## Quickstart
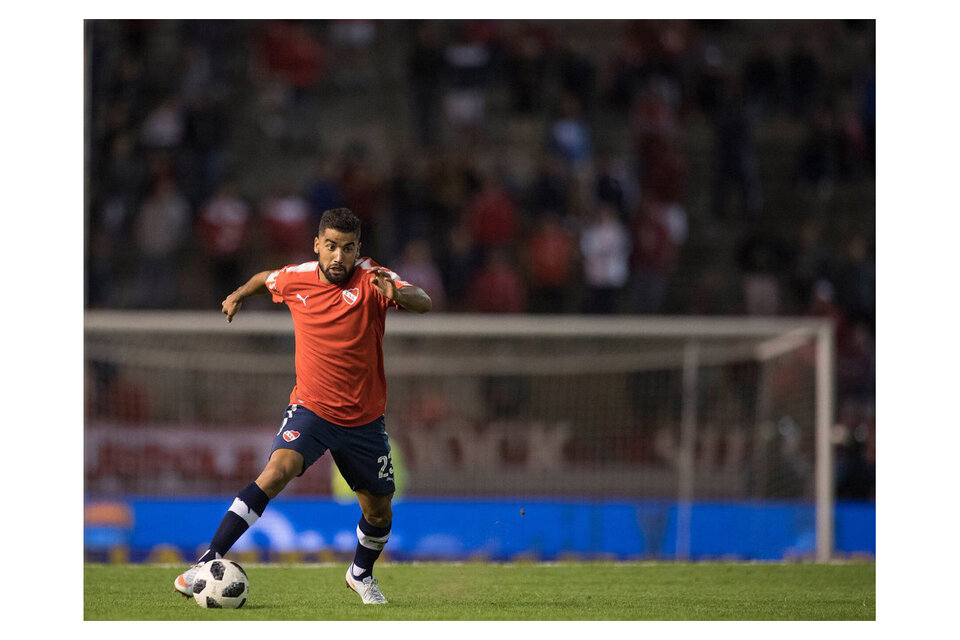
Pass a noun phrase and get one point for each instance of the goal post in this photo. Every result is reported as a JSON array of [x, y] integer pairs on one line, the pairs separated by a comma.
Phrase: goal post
[[825, 415], [691, 410]]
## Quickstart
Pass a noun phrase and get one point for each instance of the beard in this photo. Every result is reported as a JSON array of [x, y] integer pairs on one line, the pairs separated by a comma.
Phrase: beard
[[341, 276]]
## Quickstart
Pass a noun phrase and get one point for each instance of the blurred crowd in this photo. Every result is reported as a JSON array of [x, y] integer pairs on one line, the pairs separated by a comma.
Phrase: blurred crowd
[[678, 167]]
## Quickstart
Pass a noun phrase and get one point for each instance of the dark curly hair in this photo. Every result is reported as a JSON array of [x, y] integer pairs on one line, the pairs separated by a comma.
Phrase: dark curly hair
[[341, 219]]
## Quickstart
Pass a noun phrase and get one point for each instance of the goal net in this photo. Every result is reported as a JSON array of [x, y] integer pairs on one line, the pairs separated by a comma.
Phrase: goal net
[[489, 407]]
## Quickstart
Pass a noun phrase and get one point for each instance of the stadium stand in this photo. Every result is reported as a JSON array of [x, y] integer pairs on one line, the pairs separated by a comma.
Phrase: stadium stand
[[745, 184]]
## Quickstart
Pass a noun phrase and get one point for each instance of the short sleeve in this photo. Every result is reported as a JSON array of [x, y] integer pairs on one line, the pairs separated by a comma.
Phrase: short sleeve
[[277, 281]]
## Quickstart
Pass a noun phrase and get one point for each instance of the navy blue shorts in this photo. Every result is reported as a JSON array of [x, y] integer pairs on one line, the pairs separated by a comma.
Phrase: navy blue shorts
[[361, 453]]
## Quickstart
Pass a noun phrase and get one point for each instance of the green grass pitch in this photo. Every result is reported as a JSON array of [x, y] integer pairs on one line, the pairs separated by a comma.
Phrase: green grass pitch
[[473, 591]]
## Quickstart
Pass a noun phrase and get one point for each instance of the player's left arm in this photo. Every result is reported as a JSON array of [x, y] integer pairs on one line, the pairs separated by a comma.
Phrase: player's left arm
[[408, 296]]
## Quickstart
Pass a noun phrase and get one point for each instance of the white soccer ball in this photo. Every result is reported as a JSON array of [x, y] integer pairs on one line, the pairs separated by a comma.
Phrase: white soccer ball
[[221, 584]]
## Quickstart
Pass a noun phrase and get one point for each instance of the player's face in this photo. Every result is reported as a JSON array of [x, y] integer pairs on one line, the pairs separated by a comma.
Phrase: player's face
[[337, 253]]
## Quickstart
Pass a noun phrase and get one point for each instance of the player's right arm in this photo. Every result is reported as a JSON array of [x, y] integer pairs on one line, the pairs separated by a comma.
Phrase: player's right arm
[[255, 285]]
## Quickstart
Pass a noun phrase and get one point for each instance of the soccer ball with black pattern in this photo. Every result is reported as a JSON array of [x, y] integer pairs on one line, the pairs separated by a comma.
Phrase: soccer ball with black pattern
[[221, 584]]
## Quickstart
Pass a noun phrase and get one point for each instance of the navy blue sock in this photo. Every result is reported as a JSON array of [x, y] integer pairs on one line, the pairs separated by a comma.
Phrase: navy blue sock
[[246, 508], [371, 541]]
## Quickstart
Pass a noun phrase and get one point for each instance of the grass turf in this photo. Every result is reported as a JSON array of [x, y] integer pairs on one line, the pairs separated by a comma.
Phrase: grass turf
[[587, 591]]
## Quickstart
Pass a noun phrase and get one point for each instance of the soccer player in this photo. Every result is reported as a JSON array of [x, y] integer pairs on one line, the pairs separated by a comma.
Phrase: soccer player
[[338, 304]]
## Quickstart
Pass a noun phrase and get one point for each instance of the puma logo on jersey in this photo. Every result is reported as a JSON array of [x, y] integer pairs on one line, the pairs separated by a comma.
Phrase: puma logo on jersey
[[351, 295], [303, 299]]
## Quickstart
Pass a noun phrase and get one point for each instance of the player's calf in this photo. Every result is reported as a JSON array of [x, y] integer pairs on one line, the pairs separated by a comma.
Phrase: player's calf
[[370, 543], [373, 532], [247, 507]]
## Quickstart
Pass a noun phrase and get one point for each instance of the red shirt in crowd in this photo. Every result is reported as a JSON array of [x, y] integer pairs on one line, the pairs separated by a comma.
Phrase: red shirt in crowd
[[286, 223], [223, 226], [497, 288], [550, 252], [653, 248], [491, 218]]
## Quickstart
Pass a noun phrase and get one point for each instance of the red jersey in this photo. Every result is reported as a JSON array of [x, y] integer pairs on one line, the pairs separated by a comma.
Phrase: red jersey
[[339, 341]]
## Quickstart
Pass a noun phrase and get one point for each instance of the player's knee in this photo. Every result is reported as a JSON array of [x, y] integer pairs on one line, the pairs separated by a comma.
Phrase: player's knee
[[287, 462], [379, 514], [272, 480], [276, 475], [379, 520]]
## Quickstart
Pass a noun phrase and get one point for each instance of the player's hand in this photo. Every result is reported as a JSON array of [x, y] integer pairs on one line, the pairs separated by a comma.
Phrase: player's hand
[[230, 305], [384, 283]]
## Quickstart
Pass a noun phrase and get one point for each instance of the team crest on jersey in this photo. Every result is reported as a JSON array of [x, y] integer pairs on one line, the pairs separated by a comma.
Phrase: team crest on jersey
[[290, 436], [351, 295]]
